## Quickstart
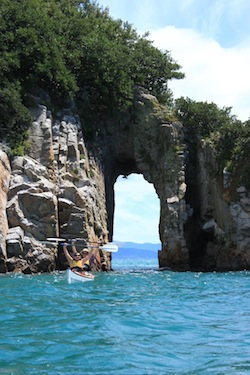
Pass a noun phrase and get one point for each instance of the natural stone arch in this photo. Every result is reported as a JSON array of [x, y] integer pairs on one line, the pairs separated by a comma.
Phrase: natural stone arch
[[204, 222], [201, 227], [145, 141]]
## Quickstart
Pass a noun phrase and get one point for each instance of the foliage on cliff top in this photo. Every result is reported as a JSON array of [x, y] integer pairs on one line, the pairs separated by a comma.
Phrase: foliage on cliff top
[[228, 136], [74, 49]]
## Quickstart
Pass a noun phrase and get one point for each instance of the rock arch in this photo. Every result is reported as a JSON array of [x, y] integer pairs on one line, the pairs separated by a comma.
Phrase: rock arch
[[146, 142], [200, 227], [71, 186]]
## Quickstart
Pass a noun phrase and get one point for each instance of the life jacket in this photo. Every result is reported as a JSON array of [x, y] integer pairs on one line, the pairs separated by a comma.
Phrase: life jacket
[[86, 266], [76, 264]]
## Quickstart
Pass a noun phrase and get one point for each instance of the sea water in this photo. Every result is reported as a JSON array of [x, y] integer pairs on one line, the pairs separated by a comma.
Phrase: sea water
[[133, 321]]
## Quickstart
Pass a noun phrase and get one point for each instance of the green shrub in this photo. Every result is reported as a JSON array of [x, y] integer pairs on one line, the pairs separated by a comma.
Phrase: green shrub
[[229, 137], [75, 50]]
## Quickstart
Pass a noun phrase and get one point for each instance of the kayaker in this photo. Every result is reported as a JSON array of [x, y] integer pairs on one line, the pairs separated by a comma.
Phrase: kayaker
[[87, 261], [77, 262], [94, 258], [84, 253]]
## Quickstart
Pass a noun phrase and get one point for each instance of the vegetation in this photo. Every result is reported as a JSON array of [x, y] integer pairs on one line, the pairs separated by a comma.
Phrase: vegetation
[[228, 136], [73, 50]]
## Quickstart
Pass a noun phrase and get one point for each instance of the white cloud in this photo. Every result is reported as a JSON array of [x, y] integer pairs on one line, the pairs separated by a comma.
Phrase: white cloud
[[199, 39], [198, 34], [132, 187], [137, 210], [224, 20], [213, 74]]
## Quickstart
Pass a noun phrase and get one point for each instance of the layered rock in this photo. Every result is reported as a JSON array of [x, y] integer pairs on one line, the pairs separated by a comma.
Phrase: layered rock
[[55, 191], [146, 141], [5, 173], [200, 228], [65, 187], [221, 229]]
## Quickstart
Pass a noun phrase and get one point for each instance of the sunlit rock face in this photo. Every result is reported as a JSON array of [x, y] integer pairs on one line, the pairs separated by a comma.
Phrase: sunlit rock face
[[64, 187], [200, 227], [57, 190], [5, 173], [146, 141]]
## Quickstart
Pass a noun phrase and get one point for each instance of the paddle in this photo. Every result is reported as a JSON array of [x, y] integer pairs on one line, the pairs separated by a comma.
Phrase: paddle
[[49, 243], [110, 246], [58, 239]]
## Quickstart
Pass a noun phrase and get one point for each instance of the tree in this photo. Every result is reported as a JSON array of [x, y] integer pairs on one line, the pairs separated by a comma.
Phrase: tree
[[75, 50], [228, 136]]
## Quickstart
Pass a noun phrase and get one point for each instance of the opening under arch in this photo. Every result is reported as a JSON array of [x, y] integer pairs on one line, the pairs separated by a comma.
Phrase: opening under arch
[[136, 210]]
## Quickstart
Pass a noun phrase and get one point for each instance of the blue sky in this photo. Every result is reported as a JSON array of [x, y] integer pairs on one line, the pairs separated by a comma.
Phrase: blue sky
[[210, 39], [137, 210]]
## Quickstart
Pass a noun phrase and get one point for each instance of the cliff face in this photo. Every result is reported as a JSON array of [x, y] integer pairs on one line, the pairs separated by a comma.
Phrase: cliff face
[[55, 191], [65, 188], [5, 173], [218, 232], [145, 141]]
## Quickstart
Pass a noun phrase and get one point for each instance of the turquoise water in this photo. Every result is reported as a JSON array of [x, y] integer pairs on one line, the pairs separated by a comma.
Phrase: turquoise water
[[134, 321]]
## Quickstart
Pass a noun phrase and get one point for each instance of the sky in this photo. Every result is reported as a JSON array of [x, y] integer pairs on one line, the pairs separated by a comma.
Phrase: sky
[[210, 39]]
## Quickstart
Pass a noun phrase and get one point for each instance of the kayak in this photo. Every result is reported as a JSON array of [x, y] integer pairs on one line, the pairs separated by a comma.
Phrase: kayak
[[73, 276]]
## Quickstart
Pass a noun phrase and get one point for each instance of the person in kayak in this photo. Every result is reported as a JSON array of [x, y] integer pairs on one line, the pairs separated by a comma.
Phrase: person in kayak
[[77, 262], [87, 261]]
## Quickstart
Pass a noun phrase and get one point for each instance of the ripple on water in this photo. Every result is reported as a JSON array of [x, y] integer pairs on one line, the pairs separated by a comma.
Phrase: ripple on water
[[139, 322]]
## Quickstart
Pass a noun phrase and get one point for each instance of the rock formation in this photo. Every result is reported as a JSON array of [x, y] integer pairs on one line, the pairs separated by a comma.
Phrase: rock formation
[[5, 173], [55, 190], [145, 141], [65, 187], [218, 230]]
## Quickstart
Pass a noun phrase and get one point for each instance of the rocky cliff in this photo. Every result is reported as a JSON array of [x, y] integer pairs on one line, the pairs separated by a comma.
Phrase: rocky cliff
[[218, 231], [55, 190], [65, 187]]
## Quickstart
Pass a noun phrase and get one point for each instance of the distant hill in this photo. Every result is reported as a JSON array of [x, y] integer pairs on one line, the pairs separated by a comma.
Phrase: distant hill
[[136, 250], [133, 245]]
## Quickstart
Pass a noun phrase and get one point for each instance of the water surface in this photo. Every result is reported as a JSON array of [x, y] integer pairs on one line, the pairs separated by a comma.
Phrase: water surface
[[133, 321]]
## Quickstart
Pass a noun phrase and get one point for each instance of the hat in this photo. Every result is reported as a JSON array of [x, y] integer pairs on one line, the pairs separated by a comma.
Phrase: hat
[[85, 250]]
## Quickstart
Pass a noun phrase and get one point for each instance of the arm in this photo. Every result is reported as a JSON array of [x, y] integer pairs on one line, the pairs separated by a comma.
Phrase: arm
[[91, 255], [95, 257], [87, 257], [67, 255], [73, 246]]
